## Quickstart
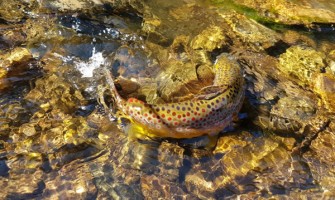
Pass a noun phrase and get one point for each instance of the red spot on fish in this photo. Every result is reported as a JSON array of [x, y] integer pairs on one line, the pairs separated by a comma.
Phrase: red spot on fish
[[188, 114], [176, 123], [174, 113], [149, 118], [130, 100], [184, 120], [145, 114], [169, 118], [193, 119], [179, 116], [163, 115], [203, 110]]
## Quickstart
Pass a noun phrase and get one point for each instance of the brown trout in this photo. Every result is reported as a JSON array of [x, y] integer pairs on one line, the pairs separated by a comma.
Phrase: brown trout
[[208, 113]]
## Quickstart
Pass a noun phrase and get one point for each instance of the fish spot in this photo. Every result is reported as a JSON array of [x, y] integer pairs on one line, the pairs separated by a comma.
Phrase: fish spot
[[174, 114]]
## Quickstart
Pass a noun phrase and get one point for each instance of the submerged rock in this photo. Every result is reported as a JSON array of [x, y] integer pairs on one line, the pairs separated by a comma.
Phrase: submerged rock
[[56, 137], [303, 64], [320, 158], [297, 12], [324, 84], [14, 64], [54, 93], [15, 11]]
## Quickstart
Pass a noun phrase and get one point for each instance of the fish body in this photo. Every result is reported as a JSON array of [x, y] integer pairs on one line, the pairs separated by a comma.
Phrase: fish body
[[208, 113]]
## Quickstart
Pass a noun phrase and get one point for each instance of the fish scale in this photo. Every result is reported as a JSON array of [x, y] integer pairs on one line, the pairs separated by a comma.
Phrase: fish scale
[[205, 114]]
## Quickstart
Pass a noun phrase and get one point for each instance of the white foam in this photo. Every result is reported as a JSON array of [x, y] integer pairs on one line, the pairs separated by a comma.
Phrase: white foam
[[94, 62]]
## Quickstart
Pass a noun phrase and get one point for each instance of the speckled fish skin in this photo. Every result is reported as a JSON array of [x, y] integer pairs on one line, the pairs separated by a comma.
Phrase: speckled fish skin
[[205, 114]]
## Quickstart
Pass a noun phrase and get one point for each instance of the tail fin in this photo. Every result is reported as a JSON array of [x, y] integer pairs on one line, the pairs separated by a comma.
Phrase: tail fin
[[111, 84]]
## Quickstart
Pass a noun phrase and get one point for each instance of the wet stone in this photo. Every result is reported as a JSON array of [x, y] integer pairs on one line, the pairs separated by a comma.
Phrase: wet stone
[[324, 85], [59, 94], [290, 113], [157, 187], [302, 64], [251, 33], [80, 183], [13, 64], [210, 39], [182, 80], [13, 11], [27, 185], [320, 159], [28, 129], [170, 158], [296, 12], [56, 142]]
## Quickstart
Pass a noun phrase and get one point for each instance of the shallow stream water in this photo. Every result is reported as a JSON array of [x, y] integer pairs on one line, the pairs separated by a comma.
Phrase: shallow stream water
[[58, 141]]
